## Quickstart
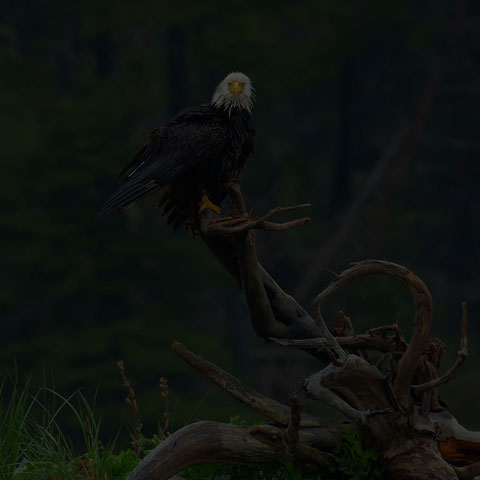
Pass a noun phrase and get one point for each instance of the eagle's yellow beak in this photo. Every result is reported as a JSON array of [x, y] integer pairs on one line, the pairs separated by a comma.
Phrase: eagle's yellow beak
[[236, 88]]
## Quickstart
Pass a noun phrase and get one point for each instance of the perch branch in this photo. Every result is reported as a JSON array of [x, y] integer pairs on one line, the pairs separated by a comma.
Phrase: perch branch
[[449, 374], [244, 222], [423, 316], [280, 227], [266, 406], [290, 320], [261, 312]]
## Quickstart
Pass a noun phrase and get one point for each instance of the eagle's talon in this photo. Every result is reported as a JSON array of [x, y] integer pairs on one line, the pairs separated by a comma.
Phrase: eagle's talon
[[207, 204]]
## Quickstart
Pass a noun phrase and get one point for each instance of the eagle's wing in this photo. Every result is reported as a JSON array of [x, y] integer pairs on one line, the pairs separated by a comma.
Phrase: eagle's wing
[[173, 150]]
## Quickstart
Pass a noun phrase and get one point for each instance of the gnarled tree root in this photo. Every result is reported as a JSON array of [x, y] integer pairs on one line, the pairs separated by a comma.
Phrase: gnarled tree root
[[395, 410]]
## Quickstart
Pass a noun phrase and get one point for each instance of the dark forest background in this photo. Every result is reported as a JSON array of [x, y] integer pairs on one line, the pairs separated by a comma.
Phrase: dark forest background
[[366, 109]]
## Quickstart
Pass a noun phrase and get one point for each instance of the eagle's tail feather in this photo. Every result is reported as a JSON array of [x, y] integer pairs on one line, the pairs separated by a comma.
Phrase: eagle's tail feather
[[126, 195]]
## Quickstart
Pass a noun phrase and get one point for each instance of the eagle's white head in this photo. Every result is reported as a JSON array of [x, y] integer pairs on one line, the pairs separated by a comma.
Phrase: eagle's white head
[[234, 91]]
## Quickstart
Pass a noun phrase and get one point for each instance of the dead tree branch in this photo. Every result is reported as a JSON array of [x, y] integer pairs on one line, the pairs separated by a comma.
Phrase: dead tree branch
[[374, 340], [261, 312], [272, 409], [423, 314], [450, 373], [273, 312], [244, 222]]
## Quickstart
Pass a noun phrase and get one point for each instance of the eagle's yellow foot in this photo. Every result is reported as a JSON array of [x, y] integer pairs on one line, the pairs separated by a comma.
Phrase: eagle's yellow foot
[[206, 204]]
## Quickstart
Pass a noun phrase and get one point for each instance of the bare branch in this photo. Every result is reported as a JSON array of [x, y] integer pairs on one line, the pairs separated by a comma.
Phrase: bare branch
[[245, 222], [449, 374], [359, 341], [261, 312], [266, 406], [280, 227], [423, 315], [319, 392]]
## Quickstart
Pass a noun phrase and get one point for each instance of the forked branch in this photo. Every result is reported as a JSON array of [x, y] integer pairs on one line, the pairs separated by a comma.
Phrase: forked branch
[[409, 362], [244, 222]]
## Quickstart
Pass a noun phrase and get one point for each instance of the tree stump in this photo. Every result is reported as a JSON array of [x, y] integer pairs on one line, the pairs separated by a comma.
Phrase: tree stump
[[392, 403]]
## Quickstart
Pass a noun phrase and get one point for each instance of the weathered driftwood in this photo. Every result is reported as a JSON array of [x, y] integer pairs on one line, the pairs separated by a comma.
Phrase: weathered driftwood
[[268, 407], [392, 403]]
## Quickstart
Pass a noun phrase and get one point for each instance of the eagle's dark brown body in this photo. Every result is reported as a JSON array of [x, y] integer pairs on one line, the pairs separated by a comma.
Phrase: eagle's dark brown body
[[199, 150]]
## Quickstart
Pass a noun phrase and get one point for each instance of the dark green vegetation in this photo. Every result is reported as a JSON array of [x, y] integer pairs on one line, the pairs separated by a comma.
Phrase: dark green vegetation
[[354, 461], [34, 446], [82, 83]]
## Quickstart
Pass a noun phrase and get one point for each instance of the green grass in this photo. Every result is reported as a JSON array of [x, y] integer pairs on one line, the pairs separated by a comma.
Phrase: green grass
[[33, 445]]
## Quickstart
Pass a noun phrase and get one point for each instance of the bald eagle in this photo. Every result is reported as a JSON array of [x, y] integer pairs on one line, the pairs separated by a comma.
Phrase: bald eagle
[[192, 156]]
